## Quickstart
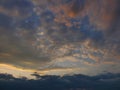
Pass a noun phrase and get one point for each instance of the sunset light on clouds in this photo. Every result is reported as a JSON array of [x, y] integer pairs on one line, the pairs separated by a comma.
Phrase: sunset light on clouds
[[59, 37]]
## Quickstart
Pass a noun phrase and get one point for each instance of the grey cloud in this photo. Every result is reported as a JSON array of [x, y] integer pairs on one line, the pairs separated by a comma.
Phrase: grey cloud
[[19, 8], [5, 21], [61, 83], [44, 35]]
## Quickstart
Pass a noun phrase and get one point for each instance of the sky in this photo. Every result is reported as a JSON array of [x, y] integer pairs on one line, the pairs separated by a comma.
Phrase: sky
[[59, 37]]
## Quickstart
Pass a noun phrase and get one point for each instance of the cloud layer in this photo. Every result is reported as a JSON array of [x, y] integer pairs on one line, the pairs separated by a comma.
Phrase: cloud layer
[[78, 36], [77, 82]]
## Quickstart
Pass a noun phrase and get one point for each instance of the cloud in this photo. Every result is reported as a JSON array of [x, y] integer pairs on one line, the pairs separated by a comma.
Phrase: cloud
[[108, 82], [19, 8], [6, 21], [61, 34]]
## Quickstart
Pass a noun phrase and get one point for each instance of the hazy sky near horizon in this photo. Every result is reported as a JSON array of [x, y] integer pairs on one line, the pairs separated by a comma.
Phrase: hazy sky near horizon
[[58, 37]]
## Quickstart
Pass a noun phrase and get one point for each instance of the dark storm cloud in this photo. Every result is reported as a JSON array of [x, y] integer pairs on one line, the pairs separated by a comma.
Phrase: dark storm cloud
[[75, 82]]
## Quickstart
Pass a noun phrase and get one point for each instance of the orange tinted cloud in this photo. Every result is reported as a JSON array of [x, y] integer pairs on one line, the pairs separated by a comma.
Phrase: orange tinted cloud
[[17, 72], [100, 12]]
